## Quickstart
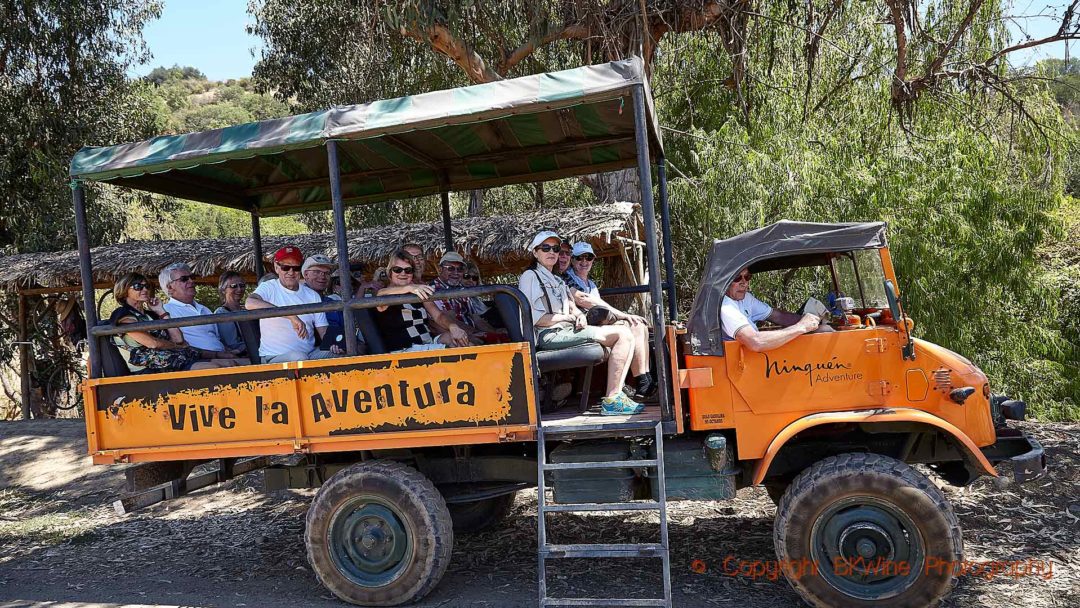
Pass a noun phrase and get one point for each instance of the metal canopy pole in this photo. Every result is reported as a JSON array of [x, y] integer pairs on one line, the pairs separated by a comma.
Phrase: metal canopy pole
[[641, 137], [24, 359], [665, 225], [448, 234], [256, 236], [342, 247], [86, 274]]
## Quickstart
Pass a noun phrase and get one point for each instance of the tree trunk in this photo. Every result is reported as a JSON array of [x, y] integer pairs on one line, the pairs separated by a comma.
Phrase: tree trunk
[[616, 187], [476, 203]]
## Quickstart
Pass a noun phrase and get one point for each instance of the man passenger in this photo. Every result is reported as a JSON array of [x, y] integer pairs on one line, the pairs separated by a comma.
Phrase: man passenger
[[467, 311], [740, 310], [290, 338], [416, 253], [317, 270], [178, 282]]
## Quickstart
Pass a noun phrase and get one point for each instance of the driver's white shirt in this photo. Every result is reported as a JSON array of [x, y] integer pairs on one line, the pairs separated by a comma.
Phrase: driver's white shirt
[[737, 314]]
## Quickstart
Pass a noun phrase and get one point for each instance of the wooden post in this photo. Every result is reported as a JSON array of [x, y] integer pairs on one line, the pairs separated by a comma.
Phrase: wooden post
[[24, 359]]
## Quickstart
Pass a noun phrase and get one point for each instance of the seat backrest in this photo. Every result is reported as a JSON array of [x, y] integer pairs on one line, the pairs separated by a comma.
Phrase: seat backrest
[[511, 315], [366, 322], [112, 362], [249, 331]]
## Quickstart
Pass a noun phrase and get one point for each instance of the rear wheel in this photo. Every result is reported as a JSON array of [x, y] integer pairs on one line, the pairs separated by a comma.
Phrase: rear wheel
[[479, 515], [379, 534], [870, 531]]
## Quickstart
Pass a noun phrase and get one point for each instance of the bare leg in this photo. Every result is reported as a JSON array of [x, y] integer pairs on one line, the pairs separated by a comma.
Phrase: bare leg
[[621, 342], [640, 363]]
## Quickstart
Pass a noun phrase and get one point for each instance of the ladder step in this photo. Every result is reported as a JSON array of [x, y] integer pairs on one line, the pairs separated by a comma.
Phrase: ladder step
[[591, 601], [605, 550], [645, 505], [613, 464]]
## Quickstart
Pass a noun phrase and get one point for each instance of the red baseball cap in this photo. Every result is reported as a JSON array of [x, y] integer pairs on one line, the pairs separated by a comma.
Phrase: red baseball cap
[[289, 252]]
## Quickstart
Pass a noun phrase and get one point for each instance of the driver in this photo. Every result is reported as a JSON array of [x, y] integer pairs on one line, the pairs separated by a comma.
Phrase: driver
[[740, 311]]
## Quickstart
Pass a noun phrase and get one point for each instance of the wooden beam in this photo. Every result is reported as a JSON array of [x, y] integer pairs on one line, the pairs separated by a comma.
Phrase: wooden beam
[[24, 359], [424, 159]]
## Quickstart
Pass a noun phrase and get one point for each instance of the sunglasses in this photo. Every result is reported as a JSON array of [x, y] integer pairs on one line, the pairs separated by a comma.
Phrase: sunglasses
[[586, 257], [138, 286], [236, 285], [471, 277], [454, 267], [289, 267], [743, 278], [183, 279], [401, 269], [548, 248]]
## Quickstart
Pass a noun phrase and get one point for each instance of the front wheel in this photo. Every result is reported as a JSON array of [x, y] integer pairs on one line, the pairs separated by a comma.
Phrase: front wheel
[[866, 530], [379, 534]]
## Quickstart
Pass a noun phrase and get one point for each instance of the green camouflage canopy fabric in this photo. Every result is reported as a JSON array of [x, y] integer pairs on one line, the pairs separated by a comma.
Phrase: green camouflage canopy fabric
[[528, 129]]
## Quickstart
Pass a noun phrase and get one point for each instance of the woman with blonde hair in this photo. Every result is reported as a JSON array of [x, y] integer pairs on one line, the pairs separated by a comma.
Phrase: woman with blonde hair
[[157, 350], [405, 327]]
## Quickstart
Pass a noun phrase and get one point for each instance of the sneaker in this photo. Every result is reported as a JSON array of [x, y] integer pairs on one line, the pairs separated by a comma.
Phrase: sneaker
[[628, 390], [620, 405], [646, 387]]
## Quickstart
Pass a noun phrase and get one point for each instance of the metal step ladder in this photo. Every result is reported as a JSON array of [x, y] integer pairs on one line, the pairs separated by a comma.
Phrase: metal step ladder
[[549, 551]]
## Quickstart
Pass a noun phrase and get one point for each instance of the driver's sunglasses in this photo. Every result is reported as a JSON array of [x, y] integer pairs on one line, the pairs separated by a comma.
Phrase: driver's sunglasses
[[139, 286], [586, 257], [236, 285], [743, 278], [548, 248], [401, 269], [289, 267]]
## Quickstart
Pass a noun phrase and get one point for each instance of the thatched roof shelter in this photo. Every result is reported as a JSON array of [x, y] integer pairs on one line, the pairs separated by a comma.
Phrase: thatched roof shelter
[[497, 244]]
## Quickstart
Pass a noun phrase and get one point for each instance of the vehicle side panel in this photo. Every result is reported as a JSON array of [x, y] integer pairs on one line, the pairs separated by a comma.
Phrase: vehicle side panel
[[455, 396]]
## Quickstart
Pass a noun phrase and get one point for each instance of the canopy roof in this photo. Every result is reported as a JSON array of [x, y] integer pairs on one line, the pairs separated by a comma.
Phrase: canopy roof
[[528, 129], [784, 244], [497, 244]]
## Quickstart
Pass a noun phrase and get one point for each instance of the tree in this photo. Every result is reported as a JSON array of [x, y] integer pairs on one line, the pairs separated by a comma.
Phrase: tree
[[63, 69]]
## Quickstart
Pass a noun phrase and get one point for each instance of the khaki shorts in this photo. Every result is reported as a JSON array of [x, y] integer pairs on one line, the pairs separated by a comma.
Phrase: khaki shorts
[[555, 338]]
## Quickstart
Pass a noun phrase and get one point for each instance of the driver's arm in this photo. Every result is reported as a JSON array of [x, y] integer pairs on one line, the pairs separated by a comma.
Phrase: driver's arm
[[783, 318], [761, 341]]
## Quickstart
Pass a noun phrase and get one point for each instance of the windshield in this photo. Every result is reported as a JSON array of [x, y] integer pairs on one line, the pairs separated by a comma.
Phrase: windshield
[[860, 275]]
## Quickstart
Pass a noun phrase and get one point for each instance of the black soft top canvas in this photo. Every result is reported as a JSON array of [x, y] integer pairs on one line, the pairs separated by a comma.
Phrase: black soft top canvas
[[754, 249]]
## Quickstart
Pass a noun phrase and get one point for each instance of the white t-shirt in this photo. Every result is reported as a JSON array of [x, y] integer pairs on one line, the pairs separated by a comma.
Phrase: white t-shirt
[[277, 334], [205, 337], [736, 314]]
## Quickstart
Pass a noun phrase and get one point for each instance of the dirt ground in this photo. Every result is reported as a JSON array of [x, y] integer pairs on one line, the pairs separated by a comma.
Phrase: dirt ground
[[62, 545]]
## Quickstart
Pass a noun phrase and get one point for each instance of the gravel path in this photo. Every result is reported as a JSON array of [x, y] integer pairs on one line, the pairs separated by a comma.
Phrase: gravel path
[[61, 544]]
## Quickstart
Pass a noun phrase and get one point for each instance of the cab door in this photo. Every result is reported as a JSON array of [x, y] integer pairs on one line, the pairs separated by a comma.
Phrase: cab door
[[828, 371]]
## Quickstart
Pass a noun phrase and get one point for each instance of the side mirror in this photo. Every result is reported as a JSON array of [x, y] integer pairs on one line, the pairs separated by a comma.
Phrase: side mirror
[[901, 321]]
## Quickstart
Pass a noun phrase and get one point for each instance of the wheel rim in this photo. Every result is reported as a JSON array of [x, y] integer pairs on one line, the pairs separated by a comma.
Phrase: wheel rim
[[878, 548], [369, 542]]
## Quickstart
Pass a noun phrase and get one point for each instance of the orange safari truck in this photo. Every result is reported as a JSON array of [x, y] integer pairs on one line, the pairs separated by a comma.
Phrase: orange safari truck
[[410, 449]]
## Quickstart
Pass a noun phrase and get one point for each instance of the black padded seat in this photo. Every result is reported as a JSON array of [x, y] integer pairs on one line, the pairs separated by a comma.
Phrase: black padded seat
[[365, 322], [112, 362], [249, 331], [568, 358]]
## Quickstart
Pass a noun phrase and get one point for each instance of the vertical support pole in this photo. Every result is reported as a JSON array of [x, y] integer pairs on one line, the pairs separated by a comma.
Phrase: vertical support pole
[[448, 232], [665, 225], [256, 237], [24, 359], [641, 136], [86, 274], [342, 248]]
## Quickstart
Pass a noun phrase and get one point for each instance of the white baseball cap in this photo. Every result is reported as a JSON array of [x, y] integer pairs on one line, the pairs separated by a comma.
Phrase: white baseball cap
[[542, 236], [580, 248], [317, 260]]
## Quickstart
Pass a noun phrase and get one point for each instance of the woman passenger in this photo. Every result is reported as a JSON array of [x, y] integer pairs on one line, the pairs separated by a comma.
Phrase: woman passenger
[[159, 350], [231, 286], [587, 296], [404, 327], [559, 323]]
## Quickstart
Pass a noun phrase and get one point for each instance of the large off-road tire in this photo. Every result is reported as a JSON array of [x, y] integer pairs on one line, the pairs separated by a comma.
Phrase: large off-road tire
[[379, 534], [890, 530], [479, 515]]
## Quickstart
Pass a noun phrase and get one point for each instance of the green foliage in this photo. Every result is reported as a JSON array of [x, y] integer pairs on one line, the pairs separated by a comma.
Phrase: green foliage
[[162, 74]]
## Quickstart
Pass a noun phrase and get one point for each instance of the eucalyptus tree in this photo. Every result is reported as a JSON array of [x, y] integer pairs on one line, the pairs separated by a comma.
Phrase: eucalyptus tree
[[63, 85]]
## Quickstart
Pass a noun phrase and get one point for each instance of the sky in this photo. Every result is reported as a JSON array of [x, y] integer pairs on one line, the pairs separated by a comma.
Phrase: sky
[[210, 35]]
